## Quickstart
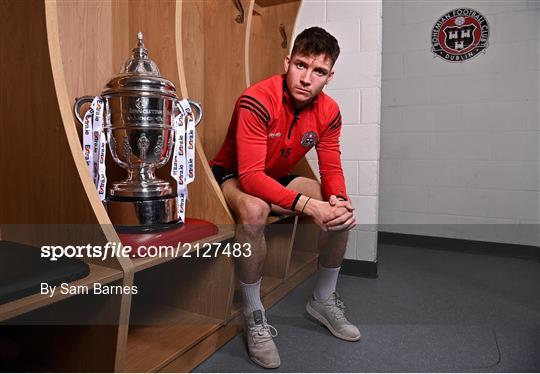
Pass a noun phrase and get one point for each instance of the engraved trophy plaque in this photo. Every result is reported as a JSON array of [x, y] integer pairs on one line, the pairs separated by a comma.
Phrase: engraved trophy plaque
[[139, 108]]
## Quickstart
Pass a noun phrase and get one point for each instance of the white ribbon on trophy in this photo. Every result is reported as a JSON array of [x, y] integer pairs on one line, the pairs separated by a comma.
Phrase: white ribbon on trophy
[[183, 164], [190, 144], [94, 145], [178, 169]]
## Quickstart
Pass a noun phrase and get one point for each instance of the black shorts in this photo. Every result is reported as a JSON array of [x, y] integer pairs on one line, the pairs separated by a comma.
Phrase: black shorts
[[221, 174]]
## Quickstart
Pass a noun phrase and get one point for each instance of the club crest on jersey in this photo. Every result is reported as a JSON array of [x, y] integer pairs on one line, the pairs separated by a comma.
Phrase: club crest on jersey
[[309, 139], [460, 35]]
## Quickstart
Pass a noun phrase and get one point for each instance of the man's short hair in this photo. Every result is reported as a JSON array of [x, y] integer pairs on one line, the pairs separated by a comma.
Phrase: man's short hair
[[316, 41]]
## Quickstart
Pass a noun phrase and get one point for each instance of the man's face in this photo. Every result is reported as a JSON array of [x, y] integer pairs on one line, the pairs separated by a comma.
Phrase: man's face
[[307, 76]]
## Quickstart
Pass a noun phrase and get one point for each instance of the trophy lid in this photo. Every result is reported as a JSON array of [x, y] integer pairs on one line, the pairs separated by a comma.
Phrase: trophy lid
[[140, 74]]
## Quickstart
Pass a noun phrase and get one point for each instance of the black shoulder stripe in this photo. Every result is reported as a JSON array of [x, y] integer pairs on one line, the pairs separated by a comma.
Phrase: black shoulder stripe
[[335, 120], [255, 107], [336, 126], [257, 102], [254, 112], [336, 117]]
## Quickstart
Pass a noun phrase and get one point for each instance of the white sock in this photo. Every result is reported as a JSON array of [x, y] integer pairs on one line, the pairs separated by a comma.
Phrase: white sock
[[326, 282], [251, 294]]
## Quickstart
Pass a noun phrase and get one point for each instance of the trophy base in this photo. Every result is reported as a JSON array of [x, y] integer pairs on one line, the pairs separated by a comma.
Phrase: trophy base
[[143, 229], [138, 215]]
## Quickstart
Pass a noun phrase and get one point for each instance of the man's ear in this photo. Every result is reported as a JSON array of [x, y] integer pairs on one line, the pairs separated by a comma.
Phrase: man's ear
[[330, 76], [286, 63]]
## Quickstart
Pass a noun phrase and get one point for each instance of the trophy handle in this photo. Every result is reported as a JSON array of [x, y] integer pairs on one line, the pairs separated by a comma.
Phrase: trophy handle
[[195, 105], [77, 106]]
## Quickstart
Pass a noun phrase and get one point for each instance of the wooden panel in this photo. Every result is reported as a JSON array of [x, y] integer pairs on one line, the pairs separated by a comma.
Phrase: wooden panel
[[121, 45], [257, 9], [86, 51], [37, 235], [279, 240], [210, 286], [67, 348], [121, 39], [98, 274], [225, 232], [60, 29], [87, 38], [273, 219], [293, 280], [190, 359], [267, 3], [43, 184], [168, 334], [307, 235], [206, 200], [197, 284], [202, 23], [77, 334], [157, 21], [192, 18], [299, 259], [48, 180], [224, 69], [266, 52]]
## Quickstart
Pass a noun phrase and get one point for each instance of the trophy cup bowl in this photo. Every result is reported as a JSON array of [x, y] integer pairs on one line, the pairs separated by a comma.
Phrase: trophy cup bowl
[[139, 108], [140, 137]]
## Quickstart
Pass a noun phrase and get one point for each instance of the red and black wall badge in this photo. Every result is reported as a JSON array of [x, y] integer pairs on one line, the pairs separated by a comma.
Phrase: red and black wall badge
[[460, 35]]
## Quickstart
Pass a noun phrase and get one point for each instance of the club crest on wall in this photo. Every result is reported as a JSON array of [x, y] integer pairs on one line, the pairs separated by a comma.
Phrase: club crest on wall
[[460, 35]]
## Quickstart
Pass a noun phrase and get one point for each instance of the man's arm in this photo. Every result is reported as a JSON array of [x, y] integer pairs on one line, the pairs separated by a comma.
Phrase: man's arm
[[332, 179], [329, 156], [251, 147]]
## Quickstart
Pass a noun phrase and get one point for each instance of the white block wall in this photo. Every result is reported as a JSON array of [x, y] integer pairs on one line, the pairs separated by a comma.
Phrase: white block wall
[[357, 88], [460, 141]]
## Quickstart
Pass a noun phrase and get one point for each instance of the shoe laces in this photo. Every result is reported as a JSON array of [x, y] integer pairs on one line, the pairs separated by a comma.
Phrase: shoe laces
[[264, 330], [339, 310]]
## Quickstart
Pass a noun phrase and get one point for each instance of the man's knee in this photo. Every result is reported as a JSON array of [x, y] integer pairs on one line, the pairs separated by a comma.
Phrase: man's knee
[[247, 209], [333, 241], [252, 211], [335, 236]]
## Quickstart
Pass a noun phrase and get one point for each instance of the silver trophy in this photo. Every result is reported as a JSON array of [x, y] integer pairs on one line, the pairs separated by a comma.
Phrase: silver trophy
[[139, 108]]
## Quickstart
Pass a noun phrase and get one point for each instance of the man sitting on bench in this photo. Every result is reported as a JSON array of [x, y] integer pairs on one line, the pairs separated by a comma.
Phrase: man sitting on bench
[[274, 124]]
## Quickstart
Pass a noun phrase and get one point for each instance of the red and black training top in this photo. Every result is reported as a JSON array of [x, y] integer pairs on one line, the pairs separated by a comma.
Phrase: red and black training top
[[267, 137]]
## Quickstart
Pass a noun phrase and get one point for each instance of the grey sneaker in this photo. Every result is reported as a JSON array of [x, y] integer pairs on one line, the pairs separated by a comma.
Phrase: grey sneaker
[[331, 313], [262, 349]]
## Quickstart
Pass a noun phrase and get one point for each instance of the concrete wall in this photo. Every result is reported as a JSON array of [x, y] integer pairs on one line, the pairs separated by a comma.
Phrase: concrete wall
[[357, 88], [459, 141]]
